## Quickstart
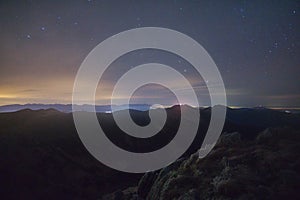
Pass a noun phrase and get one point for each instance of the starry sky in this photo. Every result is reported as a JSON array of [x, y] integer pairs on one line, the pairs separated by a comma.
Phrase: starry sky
[[255, 45]]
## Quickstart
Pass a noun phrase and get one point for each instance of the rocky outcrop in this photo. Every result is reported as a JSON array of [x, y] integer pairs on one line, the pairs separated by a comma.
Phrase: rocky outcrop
[[267, 167], [127, 194]]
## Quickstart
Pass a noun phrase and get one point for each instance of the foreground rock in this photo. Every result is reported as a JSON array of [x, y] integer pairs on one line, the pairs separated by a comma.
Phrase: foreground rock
[[267, 167]]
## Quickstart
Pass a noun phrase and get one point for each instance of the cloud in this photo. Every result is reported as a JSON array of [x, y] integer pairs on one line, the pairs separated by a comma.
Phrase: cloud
[[28, 91], [285, 96]]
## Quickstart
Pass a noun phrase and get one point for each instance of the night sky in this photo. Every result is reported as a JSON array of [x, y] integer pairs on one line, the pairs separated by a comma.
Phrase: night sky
[[255, 45]]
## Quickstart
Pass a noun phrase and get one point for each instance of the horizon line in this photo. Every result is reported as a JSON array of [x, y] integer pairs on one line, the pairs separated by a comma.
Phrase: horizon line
[[203, 106]]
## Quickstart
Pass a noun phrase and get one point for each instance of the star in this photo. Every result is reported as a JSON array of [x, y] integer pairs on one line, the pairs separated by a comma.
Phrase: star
[[285, 36], [43, 28], [184, 70], [252, 41], [28, 36]]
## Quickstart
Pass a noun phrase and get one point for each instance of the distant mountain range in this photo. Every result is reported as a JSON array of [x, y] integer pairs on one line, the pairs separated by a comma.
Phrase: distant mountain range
[[67, 108]]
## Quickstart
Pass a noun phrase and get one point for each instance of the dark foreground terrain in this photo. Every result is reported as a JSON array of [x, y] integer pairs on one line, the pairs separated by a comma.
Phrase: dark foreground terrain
[[267, 167], [257, 157]]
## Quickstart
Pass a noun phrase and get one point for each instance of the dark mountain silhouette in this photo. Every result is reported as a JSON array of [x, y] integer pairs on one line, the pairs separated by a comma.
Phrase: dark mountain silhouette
[[67, 108], [42, 156]]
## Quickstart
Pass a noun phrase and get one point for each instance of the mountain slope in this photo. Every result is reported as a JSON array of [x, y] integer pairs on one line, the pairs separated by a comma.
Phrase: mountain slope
[[41, 155], [267, 167]]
